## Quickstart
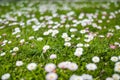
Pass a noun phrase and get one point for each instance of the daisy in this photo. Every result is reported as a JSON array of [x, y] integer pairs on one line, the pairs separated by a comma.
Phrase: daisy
[[95, 59], [19, 63], [117, 64], [64, 35], [116, 76], [67, 38], [109, 78], [51, 76], [50, 67], [112, 46], [114, 59], [73, 66], [39, 39], [68, 44], [53, 56], [87, 77], [76, 77], [15, 49], [91, 66], [2, 54], [73, 30], [45, 48], [63, 65], [31, 66], [31, 37], [22, 41], [79, 45], [78, 52], [117, 68], [5, 76]]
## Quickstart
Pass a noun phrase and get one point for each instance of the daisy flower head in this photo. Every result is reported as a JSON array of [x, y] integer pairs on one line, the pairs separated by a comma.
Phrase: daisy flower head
[[67, 38], [64, 35], [5, 76], [19, 63], [31, 37], [31, 66], [68, 44], [87, 77], [76, 77], [50, 67], [73, 66], [39, 39], [116, 76], [117, 68], [45, 48], [22, 41], [2, 54], [109, 78], [117, 64], [15, 49], [79, 45], [53, 56], [51, 76], [114, 59], [95, 59], [78, 52], [91, 66], [63, 65]]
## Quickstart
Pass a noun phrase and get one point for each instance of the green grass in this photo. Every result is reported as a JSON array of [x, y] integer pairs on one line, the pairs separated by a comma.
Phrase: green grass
[[32, 52]]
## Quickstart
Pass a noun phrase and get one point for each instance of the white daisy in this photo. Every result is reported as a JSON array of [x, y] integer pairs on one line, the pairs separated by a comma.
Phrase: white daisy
[[68, 44], [39, 39], [51, 76], [53, 56], [76, 77], [2, 54], [117, 68], [5, 76], [73, 66], [95, 59], [116, 76], [22, 41], [31, 37], [50, 67], [45, 48], [109, 78], [87, 77], [31, 66], [19, 63], [15, 49], [114, 59], [91, 66]]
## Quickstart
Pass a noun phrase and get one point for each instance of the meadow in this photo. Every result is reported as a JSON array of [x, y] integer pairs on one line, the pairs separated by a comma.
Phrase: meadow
[[59, 40]]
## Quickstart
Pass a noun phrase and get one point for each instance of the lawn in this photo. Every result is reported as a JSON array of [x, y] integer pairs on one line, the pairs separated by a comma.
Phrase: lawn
[[59, 40]]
